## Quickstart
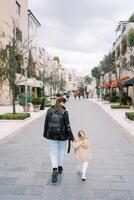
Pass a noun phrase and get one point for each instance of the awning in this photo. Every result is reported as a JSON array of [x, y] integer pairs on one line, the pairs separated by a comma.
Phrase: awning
[[37, 83], [129, 82], [124, 78], [21, 80]]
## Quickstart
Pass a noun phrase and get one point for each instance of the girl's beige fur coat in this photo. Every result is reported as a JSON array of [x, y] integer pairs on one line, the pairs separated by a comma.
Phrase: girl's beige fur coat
[[82, 150]]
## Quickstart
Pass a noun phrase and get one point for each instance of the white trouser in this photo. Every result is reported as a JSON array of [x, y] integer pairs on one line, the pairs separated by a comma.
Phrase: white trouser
[[82, 167], [57, 152]]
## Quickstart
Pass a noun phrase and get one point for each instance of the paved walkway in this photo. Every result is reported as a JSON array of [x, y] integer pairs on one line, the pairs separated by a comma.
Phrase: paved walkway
[[117, 114], [9, 109], [25, 171], [8, 127]]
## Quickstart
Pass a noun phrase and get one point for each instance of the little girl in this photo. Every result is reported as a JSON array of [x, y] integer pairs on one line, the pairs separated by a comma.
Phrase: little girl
[[81, 149]]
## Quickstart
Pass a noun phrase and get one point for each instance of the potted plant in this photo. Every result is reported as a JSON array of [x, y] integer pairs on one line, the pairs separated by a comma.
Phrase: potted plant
[[36, 101], [47, 102], [22, 102]]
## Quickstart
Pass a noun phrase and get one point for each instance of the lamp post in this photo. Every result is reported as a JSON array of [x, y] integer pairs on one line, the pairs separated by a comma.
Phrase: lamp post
[[26, 89], [43, 89], [51, 84]]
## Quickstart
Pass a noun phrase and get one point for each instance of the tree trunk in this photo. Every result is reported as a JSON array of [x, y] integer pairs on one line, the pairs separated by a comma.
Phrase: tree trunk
[[13, 97], [127, 90], [120, 94]]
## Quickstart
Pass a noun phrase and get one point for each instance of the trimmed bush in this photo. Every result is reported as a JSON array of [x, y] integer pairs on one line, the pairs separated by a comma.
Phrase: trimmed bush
[[22, 99], [36, 101], [17, 116], [111, 97], [47, 102], [130, 115], [106, 97], [125, 99], [120, 106], [48, 105]]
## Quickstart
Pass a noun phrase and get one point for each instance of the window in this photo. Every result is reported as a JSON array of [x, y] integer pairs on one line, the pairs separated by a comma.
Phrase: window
[[18, 7], [18, 34]]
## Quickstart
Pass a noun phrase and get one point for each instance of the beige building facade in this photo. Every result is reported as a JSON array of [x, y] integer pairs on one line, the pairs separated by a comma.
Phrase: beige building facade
[[14, 12], [123, 72], [13, 15]]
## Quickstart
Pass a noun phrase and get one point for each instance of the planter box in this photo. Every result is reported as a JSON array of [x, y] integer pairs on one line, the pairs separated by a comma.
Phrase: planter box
[[14, 117], [36, 108], [114, 107], [106, 102], [26, 108]]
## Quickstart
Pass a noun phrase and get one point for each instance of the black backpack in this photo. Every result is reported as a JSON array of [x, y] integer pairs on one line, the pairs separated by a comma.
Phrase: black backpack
[[56, 123]]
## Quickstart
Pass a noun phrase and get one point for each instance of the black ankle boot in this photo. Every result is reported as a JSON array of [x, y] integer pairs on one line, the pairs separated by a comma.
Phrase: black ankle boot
[[60, 169], [54, 175]]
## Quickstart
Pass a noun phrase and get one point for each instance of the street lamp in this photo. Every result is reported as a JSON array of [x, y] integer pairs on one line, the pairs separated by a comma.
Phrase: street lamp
[[51, 84], [43, 87], [25, 74]]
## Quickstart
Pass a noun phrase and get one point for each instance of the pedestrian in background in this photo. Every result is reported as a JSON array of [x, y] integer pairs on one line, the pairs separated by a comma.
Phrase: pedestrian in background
[[82, 153], [75, 95], [87, 94], [83, 94], [79, 94], [57, 130], [67, 96]]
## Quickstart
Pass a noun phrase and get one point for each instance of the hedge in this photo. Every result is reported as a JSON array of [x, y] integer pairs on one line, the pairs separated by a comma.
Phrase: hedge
[[48, 105], [17, 116], [120, 106], [130, 115]]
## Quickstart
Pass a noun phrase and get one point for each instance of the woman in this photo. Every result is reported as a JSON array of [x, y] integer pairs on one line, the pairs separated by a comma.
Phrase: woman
[[57, 130]]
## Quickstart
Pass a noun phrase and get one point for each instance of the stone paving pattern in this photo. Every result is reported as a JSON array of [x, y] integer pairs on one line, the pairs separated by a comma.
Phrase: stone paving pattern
[[25, 170]]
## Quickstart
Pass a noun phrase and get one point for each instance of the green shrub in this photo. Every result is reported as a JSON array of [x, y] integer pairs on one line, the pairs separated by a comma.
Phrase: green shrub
[[114, 99], [125, 99], [47, 102], [17, 116], [130, 115], [106, 97], [36, 101], [48, 105], [22, 99], [120, 106]]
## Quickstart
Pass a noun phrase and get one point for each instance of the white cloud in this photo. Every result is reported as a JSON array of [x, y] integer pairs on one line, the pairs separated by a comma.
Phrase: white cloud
[[82, 62], [80, 32]]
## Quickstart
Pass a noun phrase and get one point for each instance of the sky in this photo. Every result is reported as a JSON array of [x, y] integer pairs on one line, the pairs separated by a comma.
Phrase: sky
[[80, 32]]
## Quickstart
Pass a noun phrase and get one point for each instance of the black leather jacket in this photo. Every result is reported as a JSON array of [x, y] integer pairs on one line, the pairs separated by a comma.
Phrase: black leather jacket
[[66, 134]]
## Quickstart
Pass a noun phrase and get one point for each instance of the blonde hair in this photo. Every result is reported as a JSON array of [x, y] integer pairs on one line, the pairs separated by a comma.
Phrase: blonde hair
[[82, 135]]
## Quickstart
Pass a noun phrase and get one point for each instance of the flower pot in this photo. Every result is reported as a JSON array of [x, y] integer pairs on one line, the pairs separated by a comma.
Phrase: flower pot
[[26, 108], [36, 108]]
